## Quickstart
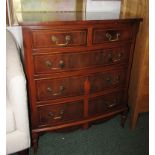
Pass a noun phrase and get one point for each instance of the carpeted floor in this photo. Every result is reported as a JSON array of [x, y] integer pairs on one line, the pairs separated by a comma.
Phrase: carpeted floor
[[103, 139]]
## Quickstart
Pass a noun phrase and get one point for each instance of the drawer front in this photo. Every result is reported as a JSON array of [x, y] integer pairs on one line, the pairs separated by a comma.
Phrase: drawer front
[[73, 61], [59, 38], [59, 88], [103, 81], [74, 86], [101, 104], [111, 35], [61, 113]]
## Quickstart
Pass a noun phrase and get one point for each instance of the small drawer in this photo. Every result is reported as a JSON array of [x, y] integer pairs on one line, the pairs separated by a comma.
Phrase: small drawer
[[59, 88], [60, 113], [101, 104], [101, 35], [59, 38], [111, 79], [51, 63]]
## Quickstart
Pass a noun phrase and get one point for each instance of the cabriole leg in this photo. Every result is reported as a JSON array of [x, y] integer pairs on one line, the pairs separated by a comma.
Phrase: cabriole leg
[[35, 137]]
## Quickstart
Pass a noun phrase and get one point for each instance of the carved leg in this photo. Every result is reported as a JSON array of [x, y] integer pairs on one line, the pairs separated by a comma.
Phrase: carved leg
[[123, 118], [35, 142]]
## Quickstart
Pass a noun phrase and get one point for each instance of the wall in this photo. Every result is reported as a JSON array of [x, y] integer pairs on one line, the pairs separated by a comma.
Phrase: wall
[[103, 6], [66, 5]]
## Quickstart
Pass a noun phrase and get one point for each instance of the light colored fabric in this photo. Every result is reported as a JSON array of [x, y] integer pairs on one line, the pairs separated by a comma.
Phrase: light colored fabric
[[16, 31], [10, 120], [17, 141], [17, 96]]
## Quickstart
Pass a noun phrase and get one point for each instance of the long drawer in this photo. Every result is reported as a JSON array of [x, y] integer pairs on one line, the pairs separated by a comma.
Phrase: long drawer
[[74, 86], [59, 62]]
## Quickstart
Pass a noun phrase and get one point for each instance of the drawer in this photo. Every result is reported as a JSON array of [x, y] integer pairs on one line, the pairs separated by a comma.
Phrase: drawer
[[74, 86], [73, 61], [101, 104], [59, 38], [102, 81], [60, 113], [59, 88], [101, 35]]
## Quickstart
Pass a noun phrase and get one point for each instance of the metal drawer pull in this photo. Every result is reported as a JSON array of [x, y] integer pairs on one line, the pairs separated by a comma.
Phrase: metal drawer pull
[[112, 104], [49, 89], [119, 57], [108, 80], [48, 63], [61, 64], [61, 91], [117, 79], [58, 116], [116, 60], [56, 40], [50, 114], [112, 59], [61, 88], [109, 37]]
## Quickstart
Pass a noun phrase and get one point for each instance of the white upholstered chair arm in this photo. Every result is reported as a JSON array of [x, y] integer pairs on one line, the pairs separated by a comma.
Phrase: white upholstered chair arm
[[16, 85]]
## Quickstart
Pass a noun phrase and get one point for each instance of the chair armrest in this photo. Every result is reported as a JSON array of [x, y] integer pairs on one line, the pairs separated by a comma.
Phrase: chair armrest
[[16, 84], [14, 65]]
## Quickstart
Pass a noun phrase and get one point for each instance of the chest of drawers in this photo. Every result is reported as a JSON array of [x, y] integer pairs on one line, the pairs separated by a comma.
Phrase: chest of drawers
[[78, 71]]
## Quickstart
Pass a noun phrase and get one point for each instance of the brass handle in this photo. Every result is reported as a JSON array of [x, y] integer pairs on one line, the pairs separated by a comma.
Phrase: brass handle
[[112, 104], [112, 59], [50, 114], [117, 79], [109, 37], [49, 89], [61, 91], [118, 58], [108, 79], [61, 64], [48, 63], [56, 40], [61, 88], [58, 116]]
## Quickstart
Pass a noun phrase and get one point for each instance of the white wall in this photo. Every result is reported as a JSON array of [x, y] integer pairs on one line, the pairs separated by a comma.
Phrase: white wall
[[103, 6]]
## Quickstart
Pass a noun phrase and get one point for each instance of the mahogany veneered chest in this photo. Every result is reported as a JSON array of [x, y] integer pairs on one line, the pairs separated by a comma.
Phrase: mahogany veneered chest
[[77, 69]]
